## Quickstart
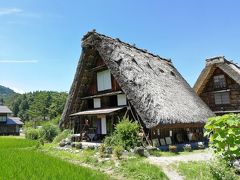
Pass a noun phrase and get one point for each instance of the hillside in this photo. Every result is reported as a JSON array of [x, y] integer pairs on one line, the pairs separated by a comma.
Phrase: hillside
[[5, 92], [38, 105]]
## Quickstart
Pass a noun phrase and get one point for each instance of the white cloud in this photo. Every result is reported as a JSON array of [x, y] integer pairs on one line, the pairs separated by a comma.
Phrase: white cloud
[[8, 11], [18, 61]]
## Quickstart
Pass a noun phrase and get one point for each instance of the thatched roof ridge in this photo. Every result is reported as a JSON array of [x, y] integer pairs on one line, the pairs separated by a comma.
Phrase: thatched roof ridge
[[127, 44], [229, 67], [153, 86]]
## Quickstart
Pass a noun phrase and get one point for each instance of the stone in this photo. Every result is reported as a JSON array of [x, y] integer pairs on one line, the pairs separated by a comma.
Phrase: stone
[[236, 165], [139, 151]]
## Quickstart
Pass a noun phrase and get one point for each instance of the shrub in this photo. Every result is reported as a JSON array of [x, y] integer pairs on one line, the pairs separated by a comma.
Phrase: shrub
[[125, 135], [172, 148], [63, 135], [187, 147], [221, 171], [78, 145], [48, 132], [56, 120], [31, 133], [118, 151], [225, 135]]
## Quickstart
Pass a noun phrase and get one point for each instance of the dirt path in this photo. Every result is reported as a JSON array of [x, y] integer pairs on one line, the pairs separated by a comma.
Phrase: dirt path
[[165, 162]]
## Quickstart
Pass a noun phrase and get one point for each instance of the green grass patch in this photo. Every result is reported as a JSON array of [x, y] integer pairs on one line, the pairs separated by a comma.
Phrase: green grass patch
[[196, 170], [137, 168], [159, 153], [12, 142], [19, 162]]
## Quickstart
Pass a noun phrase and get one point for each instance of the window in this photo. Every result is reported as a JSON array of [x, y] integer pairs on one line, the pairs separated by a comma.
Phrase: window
[[122, 100], [104, 80], [219, 81], [97, 102], [3, 118], [222, 98]]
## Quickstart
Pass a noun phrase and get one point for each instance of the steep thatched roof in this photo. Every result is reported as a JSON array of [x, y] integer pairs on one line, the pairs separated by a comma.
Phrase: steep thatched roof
[[230, 68], [156, 90]]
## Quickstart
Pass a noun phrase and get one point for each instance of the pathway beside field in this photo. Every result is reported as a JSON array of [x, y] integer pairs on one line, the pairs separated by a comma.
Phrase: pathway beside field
[[165, 162]]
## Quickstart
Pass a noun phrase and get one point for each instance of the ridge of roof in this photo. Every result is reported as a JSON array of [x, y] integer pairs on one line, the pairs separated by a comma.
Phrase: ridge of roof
[[218, 60], [93, 32]]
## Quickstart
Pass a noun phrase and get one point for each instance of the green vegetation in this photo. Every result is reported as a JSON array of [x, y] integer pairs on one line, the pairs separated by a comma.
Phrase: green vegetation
[[48, 132], [20, 162], [31, 133], [62, 135], [129, 167], [159, 153], [225, 135], [196, 170], [5, 92], [136, 168], [13, 142], [125, 135], [213, 170], [36, 106]]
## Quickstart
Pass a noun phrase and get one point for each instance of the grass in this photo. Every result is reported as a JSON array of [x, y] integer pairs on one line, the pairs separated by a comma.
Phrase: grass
[[137, 168], [130, 167], [20, 161], [12, 142], [159, 153], [196, 170]]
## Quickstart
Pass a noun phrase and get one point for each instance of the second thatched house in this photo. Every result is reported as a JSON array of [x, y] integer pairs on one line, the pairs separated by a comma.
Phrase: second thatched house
[[114, 78], [219, 85]]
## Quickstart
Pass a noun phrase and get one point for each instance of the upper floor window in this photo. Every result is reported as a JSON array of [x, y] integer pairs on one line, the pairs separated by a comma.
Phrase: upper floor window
[[104, 80], [122, 100], [222, 98], [3, 118], [219, 81]]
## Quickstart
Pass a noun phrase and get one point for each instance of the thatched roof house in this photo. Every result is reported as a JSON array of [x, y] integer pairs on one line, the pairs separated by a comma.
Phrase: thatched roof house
[[154, 89], [219, 85]]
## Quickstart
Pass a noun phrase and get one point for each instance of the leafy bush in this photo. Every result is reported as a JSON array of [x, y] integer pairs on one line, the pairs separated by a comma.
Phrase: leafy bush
[[56, 120], [187, 147], [118, 151], [125, 135], [221, 171], [31, 133], [48, 132], [63, 135], [225, 135]]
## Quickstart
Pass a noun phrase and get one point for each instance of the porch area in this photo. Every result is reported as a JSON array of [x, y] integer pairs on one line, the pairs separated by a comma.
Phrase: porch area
[[178, 135], [94, 125]]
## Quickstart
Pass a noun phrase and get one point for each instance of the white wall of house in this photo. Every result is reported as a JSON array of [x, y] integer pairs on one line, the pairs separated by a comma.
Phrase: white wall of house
[[122, 100], [104, 80]]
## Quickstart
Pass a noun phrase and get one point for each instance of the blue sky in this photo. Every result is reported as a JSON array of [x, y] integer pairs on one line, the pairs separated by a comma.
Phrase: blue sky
[[41, 38]]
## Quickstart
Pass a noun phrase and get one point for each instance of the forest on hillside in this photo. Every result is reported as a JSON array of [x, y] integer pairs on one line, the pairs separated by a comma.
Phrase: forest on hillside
[[36, 106]]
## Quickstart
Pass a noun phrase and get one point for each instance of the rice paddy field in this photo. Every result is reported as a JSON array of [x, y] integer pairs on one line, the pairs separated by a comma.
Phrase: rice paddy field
[[19, 160]]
